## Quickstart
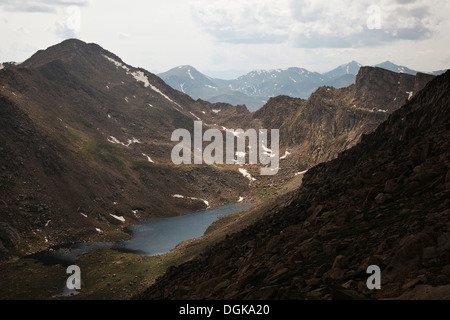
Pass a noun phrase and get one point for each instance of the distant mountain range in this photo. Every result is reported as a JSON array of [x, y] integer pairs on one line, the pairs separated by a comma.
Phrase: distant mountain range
[[257, 87]]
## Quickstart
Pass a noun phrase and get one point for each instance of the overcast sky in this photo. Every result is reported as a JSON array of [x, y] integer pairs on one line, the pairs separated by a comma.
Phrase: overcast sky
[[227, 38]]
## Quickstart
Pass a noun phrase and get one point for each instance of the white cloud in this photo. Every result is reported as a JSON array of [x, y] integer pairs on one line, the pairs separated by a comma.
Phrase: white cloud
[[69, 26], [219, 35], [123, 36], [312, 24], [253, 21], [49, 6], [22, 30]]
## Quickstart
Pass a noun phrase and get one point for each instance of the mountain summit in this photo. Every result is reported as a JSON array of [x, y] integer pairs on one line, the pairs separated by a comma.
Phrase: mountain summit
[[86, 148], [388, 65], [189, 80], [351, 68], [258, 86]]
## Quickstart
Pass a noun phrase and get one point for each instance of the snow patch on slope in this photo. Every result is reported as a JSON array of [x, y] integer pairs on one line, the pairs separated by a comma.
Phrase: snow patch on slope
[[196, 116], [190, 75], [148, 158], [159, 91], [246, 174], [117, 217], [140, 77], [268, 152], [117, 63], [410, 94], [285, 155], [192, 198], [129, 142]]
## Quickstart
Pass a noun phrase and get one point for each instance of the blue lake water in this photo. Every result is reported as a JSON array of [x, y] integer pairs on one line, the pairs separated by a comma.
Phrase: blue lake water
[[151, 237], [159, 236]]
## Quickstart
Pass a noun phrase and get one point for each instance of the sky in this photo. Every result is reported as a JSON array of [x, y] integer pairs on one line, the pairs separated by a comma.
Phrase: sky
[[228, 38]]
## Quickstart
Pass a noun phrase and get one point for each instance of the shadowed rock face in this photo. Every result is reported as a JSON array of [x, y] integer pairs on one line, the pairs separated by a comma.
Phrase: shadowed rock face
[[333, 120], [383, 202], [387, 90], [77, 129]]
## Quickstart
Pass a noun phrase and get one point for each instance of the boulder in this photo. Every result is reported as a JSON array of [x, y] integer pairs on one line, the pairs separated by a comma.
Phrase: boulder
[[9, 237]]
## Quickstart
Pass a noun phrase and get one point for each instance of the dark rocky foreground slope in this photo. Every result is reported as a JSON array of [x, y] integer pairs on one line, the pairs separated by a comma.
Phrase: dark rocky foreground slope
[[384, 202]]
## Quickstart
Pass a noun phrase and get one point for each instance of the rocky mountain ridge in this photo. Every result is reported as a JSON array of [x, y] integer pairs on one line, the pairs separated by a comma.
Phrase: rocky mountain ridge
[[257, 87], [85, 142], [384, 202], [333, 120]]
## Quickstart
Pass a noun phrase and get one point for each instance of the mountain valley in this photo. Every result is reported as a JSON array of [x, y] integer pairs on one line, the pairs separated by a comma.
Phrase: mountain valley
[[384, 202], [86, 152]]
